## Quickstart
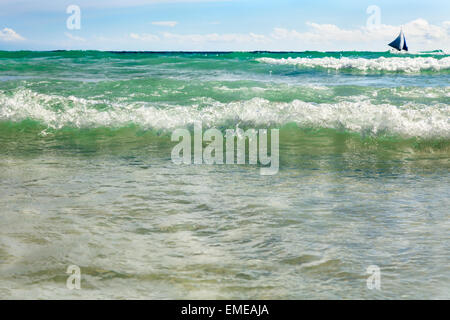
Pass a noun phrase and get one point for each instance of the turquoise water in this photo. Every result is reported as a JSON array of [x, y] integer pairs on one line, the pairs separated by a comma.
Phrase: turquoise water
[[87, 178]]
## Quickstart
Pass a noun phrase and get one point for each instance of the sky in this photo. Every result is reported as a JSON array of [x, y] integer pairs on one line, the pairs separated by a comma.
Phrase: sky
[[222, 25]]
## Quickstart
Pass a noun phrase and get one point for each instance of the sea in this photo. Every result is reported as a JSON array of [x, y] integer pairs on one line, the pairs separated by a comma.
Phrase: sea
[[93, 207]]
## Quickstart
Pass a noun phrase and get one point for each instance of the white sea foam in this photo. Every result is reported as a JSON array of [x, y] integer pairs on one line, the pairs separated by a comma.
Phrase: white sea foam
[[269, 88], [410, 120], [395, 64]]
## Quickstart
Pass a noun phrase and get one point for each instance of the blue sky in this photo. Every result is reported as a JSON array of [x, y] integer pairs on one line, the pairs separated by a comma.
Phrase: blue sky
[[222, 25]]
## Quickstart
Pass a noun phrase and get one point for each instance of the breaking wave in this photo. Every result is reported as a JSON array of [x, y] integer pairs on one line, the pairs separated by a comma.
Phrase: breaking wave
[[363, 116], [395, 64]]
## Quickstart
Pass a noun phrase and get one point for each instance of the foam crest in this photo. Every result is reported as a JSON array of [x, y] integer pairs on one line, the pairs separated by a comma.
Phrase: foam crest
[[362, 116], [395, 64]]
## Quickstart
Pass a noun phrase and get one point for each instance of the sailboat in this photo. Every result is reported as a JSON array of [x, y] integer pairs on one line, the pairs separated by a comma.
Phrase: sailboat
[[399, 43]]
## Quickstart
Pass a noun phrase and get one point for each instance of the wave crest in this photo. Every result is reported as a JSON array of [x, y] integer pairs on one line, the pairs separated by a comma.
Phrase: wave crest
[[395, 64], [364, 117]]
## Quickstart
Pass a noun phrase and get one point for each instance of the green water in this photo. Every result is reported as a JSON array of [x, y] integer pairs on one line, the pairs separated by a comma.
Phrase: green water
[[87, 178]]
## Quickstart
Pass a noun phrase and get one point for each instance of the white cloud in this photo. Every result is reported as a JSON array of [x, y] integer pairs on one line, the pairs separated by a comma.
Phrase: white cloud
[[165, 23], [215, 37], [418, 32], [8, 34], [75, 38], [420, 35], [144, 37]]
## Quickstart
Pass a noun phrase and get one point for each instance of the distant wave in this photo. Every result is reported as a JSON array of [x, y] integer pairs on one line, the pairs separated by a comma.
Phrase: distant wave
[[364, 117], [394, 64]]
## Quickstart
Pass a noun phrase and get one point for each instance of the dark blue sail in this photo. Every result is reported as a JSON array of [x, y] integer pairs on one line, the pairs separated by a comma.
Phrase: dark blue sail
[[405, 47], [397, 43]]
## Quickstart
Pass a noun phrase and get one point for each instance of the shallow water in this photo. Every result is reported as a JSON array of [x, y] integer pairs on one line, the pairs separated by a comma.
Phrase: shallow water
[[87, 178]]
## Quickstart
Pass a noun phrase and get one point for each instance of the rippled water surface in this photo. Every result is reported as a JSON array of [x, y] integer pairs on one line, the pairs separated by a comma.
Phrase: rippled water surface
[[87, 178]]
